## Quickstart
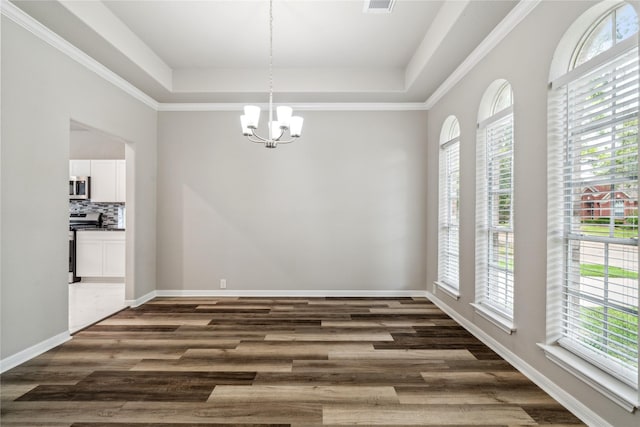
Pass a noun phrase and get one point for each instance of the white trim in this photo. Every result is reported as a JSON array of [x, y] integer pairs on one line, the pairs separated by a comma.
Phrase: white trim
[[501, 322], [286, 293], [15, 14], [603, 58], [495, 117], [318, 106], [453, 140], [517, 14], [143, 299], [33, 351], [447, 290], [615, 390], [578, 408]]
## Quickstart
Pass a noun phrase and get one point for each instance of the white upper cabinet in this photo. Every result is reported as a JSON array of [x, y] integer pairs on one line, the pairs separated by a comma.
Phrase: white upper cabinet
[[108, 180], [121, 181], [79, 167], [103, 180]]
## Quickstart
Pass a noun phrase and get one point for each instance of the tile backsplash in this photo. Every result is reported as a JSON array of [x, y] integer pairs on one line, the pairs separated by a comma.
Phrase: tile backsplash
[[112, 213]]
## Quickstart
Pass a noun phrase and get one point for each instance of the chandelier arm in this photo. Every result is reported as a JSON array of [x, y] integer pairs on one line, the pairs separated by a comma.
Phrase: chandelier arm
[[287, 141], [260, 139]]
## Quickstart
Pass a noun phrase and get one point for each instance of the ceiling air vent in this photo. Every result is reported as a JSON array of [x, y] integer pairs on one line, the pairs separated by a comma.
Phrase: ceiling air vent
[[378, 6]]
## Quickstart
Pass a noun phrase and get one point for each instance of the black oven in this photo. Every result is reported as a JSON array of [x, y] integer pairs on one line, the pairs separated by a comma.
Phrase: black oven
[[79, 221], [72, 257]]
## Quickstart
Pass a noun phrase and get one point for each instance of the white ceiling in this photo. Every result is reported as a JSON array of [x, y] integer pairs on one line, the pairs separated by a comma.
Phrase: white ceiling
[[324, 50]]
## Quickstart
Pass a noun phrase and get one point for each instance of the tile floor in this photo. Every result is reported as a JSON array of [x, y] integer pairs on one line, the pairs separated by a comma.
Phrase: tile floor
[[90, 302]]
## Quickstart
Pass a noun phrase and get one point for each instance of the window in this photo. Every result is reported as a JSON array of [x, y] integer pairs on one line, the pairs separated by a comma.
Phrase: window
[[611, 29], [593, 161], [448, 246], [494, 200]]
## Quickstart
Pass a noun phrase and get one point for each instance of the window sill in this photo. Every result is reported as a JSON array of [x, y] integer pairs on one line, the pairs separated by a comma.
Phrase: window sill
[[500, 321], [448, 290], [617, 391]]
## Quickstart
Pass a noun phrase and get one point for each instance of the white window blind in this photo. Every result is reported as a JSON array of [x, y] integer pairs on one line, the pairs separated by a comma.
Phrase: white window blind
[[496, 245], [599, 213], [448, 251]]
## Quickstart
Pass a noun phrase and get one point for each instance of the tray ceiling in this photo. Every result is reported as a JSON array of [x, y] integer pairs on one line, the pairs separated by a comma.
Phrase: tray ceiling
[[324, 51]]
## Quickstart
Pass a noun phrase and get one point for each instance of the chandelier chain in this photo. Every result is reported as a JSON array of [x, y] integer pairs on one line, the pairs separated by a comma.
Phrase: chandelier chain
[[270, 46], [276, 128]]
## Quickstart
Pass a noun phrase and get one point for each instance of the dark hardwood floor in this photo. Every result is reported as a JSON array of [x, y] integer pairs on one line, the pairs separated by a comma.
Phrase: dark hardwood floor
[[275, 361]]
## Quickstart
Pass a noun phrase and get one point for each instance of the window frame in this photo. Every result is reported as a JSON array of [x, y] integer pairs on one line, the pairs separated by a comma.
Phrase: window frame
[[450, 145], [590, 368], [611, 12], [501, 316]]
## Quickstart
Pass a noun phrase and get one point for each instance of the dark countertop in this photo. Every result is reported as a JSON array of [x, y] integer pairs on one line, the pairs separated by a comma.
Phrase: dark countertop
[[112, 228]]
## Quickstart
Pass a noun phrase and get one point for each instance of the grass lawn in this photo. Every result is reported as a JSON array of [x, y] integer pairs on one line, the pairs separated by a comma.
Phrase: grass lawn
[[597, 270], [619, 231], [622, 328]]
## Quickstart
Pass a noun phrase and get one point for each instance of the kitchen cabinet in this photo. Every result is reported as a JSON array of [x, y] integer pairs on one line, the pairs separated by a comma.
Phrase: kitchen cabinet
[[100, 253], [79, 167], [121, 181], [108, 181]]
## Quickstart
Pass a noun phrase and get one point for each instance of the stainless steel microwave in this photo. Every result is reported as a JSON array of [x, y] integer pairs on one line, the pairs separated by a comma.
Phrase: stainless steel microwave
[[79, 187]]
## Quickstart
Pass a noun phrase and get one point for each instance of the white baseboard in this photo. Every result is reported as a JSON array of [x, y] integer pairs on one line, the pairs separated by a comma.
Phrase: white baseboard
[[138, 302], [287, 293], [578, 408], [33, 351]]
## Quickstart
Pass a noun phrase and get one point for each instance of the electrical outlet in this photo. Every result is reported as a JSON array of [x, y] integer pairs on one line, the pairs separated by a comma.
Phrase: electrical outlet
[[223, 283]]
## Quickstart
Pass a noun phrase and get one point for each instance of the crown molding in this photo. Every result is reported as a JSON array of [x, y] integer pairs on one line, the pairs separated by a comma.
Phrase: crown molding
[[517, 14], [25, 21], [335, 106]]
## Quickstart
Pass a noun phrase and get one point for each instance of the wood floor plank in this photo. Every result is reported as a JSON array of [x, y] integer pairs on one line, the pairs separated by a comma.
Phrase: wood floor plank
[[274, 361], [139, 386], [205, 365], [425, 396], [425, 415], [300, 350], [300, 393], [372, 336], [10, 392], [373, 324], [231, 413], [156, 321], [340, 378], [46, 412], [361, 365], [404, 354]]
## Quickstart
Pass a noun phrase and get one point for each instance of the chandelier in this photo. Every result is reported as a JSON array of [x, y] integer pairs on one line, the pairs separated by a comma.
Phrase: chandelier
[[286, 121]]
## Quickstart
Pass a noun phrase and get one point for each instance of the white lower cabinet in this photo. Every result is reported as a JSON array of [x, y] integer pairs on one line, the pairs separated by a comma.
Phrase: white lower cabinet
[[113, 257], [100, 253]]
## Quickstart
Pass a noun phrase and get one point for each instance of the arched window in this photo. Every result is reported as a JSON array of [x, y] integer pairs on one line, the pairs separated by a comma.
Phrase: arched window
[[494, 206], [592, 204], [449, 207], [611, 29]]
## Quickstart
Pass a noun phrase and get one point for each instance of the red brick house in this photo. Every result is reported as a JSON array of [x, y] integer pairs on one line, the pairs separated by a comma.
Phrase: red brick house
[[600, 201]]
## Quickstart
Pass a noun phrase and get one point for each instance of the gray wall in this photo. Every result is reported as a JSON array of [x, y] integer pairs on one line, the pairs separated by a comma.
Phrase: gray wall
[[523, 58], [90, 144], [343, 208], [42, 90]]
